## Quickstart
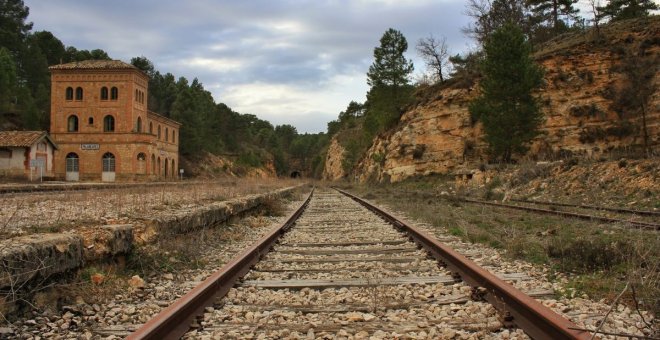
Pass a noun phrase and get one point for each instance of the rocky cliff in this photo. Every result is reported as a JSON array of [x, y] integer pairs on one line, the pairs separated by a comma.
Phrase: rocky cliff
[[333, 169], [580, 99]]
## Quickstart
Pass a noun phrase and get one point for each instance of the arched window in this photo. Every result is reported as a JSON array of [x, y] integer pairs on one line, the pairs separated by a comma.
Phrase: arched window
[[72, 162], [141, 156], [114, 93], [108, 162], [160, 171], [167, 165], [69, 93], [72, 123], [173, 169], [151, 128], [90, 120], [167, 134], [137, 95], [153, 164], [158, 131], [104, 93], [79, 93], [108, 123], [173, 136], [138, 125]]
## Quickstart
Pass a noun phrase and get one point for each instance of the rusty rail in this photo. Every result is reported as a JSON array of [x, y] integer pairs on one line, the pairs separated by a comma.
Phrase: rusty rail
[[592, 207], [641, 224], [536, 320], [175, 320]]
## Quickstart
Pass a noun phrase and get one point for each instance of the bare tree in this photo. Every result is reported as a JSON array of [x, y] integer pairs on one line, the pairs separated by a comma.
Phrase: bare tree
[[595, 5], [478, 11], [435, 54]]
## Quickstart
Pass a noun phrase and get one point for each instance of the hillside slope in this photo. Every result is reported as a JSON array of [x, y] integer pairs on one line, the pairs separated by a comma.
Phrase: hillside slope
[[581, 99]]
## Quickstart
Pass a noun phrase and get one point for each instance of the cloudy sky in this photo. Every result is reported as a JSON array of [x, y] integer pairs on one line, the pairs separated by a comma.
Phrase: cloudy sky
[[289, 62]]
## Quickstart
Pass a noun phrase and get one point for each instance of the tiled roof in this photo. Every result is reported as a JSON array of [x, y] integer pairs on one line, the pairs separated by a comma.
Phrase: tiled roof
[[21, 138], [94, 65]]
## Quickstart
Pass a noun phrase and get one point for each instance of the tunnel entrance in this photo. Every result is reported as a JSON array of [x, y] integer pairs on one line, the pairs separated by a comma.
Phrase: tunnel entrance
[[296, 174]]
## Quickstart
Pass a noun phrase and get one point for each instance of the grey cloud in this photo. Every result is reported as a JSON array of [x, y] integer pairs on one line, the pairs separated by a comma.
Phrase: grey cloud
[[326, 38]]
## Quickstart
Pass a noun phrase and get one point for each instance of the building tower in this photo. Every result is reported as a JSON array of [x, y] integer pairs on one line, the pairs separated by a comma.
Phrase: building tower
[[104, 131]]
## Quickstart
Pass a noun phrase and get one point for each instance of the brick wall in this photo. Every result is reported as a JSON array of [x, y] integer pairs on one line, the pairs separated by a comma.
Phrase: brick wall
[[136, 151]]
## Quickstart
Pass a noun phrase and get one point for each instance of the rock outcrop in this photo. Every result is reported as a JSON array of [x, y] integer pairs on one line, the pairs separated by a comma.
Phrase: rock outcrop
[[579, 100], [333, 169]]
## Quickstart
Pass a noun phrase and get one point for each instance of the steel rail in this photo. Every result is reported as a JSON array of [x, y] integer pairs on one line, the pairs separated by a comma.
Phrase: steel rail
[[175, 320], [592, 207], [538, 321], [641, 224]]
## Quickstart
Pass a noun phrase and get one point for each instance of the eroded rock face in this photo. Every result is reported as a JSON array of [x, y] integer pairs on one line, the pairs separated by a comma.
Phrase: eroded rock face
[[333, 163], [578, 100]]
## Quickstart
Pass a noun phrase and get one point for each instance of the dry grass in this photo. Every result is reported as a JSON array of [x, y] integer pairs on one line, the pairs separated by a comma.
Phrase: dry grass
[[599, 258], [53, 212]]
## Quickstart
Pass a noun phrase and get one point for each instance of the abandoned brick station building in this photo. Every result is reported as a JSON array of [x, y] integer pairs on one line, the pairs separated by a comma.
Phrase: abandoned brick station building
[[102, 127]]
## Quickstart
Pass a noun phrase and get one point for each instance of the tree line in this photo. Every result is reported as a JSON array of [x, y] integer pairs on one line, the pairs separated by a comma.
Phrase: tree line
[[207, 126]]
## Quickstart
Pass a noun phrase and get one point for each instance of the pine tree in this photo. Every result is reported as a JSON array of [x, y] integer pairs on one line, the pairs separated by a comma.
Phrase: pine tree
[[389, 78], [551, 10], [8, 80], [507, 108], [627, 9]]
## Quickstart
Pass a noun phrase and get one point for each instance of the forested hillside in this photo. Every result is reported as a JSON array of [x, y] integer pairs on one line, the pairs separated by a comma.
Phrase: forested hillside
[[207, 126]]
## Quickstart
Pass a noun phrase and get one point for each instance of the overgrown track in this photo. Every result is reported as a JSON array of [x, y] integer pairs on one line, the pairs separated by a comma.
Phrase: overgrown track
[[342, 270], [637, 224], [591, 207]]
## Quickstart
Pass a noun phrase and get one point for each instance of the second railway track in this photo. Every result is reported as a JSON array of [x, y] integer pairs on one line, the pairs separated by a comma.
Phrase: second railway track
[[344, 272]]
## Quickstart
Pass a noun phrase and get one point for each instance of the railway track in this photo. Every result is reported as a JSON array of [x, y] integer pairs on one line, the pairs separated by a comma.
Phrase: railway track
[[342, 271], [590, 207], [588, 217], [553, 210]]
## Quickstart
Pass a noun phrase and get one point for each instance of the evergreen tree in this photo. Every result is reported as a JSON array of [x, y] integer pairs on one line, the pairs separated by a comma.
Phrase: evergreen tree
[[389, 78], [627, 9], [13, 28], [507, 108], [51, 47], [8, 80], [551, 10], [390, 67]]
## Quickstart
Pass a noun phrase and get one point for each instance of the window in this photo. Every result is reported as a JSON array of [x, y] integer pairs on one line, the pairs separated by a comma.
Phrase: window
[[72, 162], [41, 146], [114, 93], [138, 125], [173, 169], [108, 162], [104, 93], [137, 95], [173, 136], [151, 128], [5, 153], [167, 165], [90, 120], [153, 164], [72, 123], [141, 156], [108, 123], [69, 93], [158, 131], [79, 93], [167, 134]]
